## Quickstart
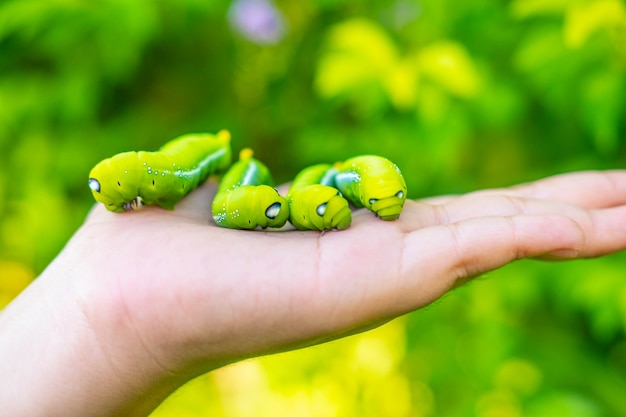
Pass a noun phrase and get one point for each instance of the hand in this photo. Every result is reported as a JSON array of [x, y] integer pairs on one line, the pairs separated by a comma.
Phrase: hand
[[136, 304]]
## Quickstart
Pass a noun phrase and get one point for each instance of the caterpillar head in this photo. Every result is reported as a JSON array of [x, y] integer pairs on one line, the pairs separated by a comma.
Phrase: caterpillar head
[[319, 207], [385, 195], [113, 185], [249, 207]]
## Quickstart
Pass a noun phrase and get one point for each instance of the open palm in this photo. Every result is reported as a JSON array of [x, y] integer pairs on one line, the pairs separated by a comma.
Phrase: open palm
[[162, 296]]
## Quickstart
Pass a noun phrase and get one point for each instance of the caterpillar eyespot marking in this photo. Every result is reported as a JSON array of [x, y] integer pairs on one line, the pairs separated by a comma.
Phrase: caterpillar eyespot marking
[[273, 210], [94, 184], [321, 209]]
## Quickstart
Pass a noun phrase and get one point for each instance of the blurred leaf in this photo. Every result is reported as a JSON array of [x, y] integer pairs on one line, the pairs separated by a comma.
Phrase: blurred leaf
[[564, 404], [528, 8], [583, 19], [519, 376], [450, 66], [498, 403], [14, 277], [359, 55], [401, 84], [603, 102]]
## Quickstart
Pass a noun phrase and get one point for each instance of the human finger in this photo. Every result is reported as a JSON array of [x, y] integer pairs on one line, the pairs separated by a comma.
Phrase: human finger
[[417, 214], [437, 200], [604, 232], [421, 266], [436, 259], [586, 189]]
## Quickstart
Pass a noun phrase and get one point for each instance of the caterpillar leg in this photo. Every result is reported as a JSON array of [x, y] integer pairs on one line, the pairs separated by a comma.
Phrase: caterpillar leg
[[133, 205], [319, 207]]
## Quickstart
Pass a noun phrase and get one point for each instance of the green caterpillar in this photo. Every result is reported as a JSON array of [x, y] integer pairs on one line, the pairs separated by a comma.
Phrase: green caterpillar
[[372, 182], [129, 179], [314, 202], [245, 198], [319, 195]]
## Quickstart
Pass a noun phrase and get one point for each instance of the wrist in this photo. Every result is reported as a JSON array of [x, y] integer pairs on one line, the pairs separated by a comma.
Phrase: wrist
[[56, 363]]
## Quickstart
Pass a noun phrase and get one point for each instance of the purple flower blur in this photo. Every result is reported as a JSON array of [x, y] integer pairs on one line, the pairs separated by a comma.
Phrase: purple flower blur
[[259, 21]]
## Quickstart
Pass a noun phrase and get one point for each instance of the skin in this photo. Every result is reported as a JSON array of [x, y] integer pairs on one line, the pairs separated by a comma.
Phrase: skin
[[145, 301]]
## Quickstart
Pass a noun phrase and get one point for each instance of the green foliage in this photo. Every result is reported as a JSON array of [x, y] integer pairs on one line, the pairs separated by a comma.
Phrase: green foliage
[[461, 95]]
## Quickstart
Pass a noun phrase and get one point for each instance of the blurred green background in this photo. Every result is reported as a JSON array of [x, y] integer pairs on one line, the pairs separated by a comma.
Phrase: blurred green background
[[461, 95]]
